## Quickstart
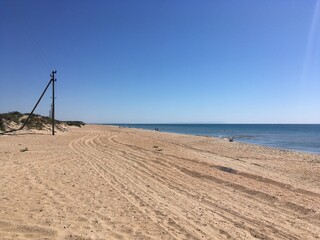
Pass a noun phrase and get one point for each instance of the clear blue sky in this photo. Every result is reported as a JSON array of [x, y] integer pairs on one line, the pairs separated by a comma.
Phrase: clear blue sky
[[163, 61]]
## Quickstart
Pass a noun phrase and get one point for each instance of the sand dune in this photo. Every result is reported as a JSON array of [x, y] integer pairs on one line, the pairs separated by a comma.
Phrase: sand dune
[[103, 182]]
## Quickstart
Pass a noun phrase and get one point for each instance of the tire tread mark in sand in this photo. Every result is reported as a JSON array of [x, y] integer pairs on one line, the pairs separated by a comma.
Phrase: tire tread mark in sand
[[75, 149], [291, 206], [256, 233], [82, 155], [253, 230], [248, 175], [34, 231], [154, 174], [172, 222], [283, 234], [60, 198], [137, 173], [158, 179], [150, 174], [127, 191], [264, 196], [111, 232]]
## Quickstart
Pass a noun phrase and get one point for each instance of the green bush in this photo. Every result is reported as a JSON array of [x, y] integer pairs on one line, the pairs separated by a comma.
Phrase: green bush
[[36, 121], [75, 123], [11, 116]]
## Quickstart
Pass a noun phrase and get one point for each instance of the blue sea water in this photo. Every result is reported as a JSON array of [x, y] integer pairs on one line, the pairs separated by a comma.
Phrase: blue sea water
[[297, 137]]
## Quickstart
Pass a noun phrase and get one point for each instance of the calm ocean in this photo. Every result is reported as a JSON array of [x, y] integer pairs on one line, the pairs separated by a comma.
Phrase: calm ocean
[[297, 137]]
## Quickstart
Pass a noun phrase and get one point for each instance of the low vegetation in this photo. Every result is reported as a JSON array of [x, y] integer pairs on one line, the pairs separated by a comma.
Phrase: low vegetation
[[24, 150], [11, 116], [75, 123], [36, 121], [1, 125]]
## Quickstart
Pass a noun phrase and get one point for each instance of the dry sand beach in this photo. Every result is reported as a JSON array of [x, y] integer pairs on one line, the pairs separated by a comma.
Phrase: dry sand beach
[[105, 182]]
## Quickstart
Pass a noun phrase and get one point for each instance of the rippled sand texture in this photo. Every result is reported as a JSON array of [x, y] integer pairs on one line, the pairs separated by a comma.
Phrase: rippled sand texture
[[102, 182]]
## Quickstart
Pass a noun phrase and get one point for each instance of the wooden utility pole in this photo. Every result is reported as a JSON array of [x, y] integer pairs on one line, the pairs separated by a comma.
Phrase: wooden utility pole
[[53, 80]]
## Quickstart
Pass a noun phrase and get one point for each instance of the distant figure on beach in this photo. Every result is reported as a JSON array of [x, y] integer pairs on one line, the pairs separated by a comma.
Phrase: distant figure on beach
[[156, 129]]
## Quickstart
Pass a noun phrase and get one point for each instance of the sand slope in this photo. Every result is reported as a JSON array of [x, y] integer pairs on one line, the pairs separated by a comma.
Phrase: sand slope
[[102, 182]]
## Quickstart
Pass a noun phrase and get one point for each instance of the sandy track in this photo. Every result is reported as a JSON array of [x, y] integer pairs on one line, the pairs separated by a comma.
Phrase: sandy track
[[103, 182]]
